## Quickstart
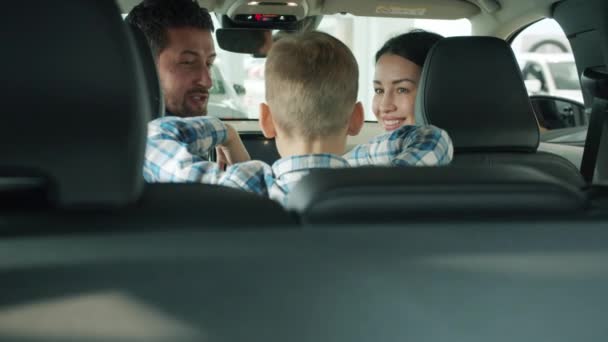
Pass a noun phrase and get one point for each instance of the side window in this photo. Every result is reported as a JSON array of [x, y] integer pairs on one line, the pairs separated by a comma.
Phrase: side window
[[549, 71]]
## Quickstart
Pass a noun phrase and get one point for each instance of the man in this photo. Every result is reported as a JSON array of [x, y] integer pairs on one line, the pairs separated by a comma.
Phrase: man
[[179, 34]]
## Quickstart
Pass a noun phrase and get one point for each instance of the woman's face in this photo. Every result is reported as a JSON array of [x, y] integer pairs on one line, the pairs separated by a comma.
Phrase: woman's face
[[395, 84]]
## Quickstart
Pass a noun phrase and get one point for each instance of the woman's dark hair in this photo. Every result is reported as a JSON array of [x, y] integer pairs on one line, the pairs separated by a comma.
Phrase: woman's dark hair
[[154, 17], [413, 46]]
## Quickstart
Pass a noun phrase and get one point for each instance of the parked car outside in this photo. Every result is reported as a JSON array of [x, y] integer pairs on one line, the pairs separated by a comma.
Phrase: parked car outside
[[224, 101], [551, 74]]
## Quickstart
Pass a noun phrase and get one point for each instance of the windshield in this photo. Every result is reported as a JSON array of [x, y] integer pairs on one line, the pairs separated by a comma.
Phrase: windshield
[[565, 75], [363, 35]]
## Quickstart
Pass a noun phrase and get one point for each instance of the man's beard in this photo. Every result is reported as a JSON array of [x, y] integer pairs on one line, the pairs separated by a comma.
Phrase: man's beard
[[188, 111], [185, 112], [198, 111]]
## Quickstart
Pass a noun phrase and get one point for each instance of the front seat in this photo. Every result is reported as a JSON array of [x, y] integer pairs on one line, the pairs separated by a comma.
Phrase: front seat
[[472, 87], [73, 132], [417, 194]]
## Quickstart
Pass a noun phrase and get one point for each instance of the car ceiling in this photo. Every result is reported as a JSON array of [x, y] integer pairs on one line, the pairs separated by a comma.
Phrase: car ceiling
[[488, 17]]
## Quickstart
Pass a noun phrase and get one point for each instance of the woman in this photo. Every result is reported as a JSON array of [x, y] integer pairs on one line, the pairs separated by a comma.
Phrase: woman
[[398, 68]]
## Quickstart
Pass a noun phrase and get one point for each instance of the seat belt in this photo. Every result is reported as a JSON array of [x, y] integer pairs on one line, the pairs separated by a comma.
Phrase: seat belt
[[595, 81]]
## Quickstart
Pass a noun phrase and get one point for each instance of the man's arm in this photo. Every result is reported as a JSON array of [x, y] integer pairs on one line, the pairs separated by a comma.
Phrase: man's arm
[[232, 151], [176, 148], [408, 145]]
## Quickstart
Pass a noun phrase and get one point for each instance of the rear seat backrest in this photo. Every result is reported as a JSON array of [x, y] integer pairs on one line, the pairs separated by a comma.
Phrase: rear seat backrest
[[73, 134], [472, 87], [414, 194], [73, 112]]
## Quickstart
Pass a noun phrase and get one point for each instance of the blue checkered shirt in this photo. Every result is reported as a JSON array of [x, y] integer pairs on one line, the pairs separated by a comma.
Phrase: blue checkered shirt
[[177, 146]]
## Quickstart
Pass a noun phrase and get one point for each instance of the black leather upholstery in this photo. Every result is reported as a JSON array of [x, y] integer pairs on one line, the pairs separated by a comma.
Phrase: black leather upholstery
[[472, 87], [381, 195], [161, 206], [76, 107], [204, 205], [73, 112], [548, 163], [157, 103]]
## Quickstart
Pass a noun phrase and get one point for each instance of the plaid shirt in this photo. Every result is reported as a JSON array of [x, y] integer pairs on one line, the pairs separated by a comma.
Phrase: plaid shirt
[[177, 146]]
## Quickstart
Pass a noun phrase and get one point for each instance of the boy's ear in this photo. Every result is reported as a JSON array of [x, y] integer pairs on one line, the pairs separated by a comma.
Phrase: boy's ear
[[266, 123], [357, 118]]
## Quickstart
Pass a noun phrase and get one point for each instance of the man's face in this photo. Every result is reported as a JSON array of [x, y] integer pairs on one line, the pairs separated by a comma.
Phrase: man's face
[[184, 71]]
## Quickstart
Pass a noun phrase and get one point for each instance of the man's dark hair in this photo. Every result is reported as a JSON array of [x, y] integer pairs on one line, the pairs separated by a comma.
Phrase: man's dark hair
[[413, 46], [154, 17]]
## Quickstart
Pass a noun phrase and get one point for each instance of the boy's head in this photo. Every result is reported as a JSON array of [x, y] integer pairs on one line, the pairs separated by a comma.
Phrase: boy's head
[[311, 88], [179, 34]]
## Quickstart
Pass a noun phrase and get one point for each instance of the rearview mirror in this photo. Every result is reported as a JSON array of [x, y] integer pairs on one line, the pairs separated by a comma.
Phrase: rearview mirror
[[256, 37], [245, 40]]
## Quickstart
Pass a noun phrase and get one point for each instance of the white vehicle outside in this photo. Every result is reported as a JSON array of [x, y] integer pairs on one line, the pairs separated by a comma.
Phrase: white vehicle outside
[[551, 74], [224, 102]]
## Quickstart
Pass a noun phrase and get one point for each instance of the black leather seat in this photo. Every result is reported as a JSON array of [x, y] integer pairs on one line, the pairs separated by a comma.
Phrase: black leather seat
[[472, 88], [391, 195], [74, 112], [73, 132]]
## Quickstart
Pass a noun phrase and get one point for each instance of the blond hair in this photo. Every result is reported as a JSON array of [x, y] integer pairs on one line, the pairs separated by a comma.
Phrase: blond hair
[[312, 82]]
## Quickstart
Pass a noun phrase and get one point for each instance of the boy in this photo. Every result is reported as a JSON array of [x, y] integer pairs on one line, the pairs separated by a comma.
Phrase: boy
[[311, 92]]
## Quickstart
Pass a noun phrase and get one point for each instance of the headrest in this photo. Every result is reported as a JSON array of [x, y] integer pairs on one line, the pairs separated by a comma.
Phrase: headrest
[[472, 87], [150, 73], [74, 112]]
